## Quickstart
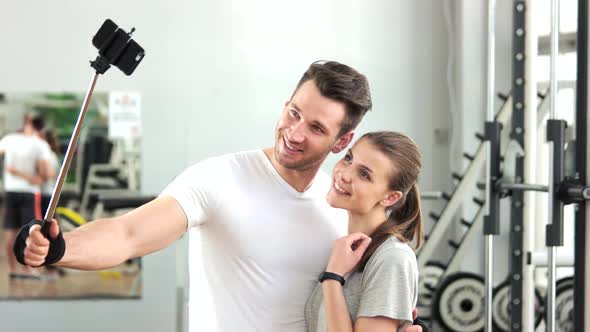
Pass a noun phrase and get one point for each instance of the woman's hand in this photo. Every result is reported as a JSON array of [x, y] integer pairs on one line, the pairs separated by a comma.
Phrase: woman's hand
[[347, 253]]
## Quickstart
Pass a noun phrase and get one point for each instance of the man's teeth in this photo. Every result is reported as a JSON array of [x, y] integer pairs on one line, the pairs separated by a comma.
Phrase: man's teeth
[[290, 147]]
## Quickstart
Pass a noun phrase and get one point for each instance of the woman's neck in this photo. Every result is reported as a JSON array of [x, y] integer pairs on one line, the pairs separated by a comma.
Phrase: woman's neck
[[365, 223]]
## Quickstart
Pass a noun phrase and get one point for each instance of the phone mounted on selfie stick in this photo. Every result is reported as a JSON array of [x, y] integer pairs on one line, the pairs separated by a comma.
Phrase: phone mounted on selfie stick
[[117, 48]]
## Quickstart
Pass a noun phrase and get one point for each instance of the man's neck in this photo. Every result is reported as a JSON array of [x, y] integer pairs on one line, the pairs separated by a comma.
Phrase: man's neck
[[31, 132], [300, 180]]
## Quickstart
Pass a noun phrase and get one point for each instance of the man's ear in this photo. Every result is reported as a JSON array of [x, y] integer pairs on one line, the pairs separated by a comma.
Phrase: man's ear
[[343, 142], [391, 198]]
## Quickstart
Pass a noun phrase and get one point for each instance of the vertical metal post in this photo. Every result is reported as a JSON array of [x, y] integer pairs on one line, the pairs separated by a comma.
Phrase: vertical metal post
[[522, 84], [552, 147], [582, 231], [523, 289], [489, 242]]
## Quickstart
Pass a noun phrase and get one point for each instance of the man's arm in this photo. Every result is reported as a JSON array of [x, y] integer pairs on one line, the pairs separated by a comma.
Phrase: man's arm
[[106, 243], [32, 179]]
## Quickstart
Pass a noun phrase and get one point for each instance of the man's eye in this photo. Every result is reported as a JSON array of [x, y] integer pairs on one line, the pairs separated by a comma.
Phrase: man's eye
[[294, 114], [318, 129], [347, 158]]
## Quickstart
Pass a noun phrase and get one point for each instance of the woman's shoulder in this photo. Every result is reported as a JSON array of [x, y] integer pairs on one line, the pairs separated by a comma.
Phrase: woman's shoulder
[[393, 245], [393, 250]]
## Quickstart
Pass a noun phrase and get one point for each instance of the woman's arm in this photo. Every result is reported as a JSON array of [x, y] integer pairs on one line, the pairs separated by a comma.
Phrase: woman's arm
[[342, 261], [379, 324], [337, 316]]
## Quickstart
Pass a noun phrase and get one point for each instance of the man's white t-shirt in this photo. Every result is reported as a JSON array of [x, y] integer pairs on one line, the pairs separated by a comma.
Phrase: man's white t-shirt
[[263, 243], [22, 152]]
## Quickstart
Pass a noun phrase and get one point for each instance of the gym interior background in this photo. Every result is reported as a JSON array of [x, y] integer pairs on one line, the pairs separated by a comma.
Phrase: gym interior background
[[214, 79]]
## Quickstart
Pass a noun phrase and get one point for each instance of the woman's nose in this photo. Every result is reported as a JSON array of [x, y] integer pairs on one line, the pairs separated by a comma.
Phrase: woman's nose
[[343, 174]]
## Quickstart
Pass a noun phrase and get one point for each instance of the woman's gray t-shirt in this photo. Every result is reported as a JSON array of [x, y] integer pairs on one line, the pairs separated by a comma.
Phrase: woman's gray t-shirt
[[387, 287]]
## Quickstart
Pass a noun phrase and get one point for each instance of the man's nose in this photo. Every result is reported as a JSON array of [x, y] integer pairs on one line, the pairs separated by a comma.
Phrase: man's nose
[[296, 134]]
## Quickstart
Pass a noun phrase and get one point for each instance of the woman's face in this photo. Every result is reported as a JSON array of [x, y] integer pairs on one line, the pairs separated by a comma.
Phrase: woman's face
[[360, 180]]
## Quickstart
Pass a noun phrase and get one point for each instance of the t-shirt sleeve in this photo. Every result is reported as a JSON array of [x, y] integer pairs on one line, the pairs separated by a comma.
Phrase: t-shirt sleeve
[[44, 151], [389, 284], [194, 190]]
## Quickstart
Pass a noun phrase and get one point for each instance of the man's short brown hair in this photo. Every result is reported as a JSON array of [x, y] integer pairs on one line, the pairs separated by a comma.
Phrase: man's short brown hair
[[344, 84]]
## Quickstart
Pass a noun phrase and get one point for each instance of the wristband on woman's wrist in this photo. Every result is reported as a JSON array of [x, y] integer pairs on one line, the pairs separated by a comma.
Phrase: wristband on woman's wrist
[[332, 276]]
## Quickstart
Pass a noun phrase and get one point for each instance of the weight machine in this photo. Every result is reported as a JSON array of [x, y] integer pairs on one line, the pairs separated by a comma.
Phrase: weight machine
[[515, 304]]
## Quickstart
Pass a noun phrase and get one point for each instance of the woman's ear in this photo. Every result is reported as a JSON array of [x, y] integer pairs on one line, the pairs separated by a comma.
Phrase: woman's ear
[[391, 198]]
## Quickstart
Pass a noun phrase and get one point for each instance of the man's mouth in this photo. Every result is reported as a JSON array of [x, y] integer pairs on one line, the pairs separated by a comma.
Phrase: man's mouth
[[289, 147]]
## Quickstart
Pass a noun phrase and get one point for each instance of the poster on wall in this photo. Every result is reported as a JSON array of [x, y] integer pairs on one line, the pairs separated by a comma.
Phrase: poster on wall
[[124, 115]]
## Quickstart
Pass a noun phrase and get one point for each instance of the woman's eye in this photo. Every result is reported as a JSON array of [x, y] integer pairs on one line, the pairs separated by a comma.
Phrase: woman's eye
[[347, 158], [364, 174]]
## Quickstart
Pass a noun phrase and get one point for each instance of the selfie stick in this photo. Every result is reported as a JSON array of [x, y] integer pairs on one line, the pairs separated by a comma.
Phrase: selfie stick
[[115, 47]]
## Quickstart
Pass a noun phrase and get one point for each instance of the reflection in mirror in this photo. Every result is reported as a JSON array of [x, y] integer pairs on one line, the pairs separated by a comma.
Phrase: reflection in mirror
[[103, 181]]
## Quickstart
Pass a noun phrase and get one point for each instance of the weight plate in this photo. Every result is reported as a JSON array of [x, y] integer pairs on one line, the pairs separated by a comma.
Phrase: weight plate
[[458, 304]]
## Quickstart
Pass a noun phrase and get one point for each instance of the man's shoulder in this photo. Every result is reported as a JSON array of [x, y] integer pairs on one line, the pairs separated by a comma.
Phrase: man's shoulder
[[229, 161], [233, 157], [12, 136]]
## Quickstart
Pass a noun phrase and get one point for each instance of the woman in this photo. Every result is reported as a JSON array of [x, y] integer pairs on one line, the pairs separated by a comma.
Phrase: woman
[[54, 165], [376, 183]]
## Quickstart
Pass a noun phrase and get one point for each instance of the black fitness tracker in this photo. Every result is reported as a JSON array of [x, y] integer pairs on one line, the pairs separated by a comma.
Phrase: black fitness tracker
[[333, 276]]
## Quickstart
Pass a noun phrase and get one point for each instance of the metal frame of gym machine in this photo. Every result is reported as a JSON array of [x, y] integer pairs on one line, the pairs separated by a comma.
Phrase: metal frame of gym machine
[[582, 216], [561, 190], [523, 137]]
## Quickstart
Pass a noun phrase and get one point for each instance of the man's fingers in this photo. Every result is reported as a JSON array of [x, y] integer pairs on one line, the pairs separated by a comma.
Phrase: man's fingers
[[34, 228], [414, 314], [34, 263], [34, 256], [36, 237], [54, 229], [36, 249]]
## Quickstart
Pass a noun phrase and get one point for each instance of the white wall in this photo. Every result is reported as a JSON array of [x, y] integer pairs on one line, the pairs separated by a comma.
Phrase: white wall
[[214, 79]]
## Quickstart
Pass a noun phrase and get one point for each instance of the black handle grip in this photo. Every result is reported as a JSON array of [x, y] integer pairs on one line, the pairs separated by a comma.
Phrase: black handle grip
[[421, 323], [45, 226]]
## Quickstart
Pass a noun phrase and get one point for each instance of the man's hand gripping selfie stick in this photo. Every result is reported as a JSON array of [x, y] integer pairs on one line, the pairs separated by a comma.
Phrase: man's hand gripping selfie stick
[[115, 47]]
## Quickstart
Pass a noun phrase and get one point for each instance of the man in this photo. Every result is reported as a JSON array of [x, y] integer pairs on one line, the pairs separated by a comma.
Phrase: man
[[266, 227], [27, 153]]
